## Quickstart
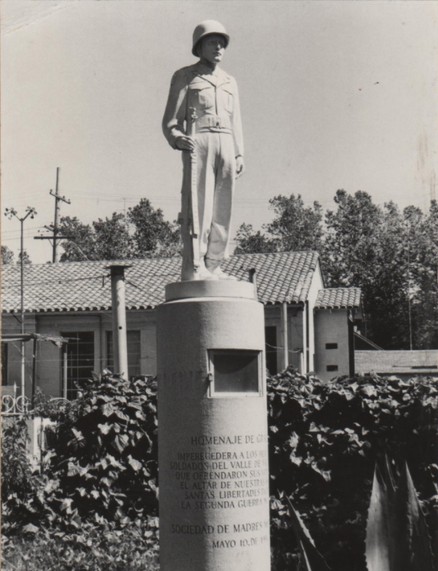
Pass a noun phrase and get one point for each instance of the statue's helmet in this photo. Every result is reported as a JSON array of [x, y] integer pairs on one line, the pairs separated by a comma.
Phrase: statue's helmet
[[206, 28]]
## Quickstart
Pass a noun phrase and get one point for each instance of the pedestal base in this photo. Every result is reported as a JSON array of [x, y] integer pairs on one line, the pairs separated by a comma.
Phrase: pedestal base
[[210, 288], [213, 452]]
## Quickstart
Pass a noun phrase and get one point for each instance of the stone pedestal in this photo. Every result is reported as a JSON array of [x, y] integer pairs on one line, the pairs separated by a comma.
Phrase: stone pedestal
[[213, 452]]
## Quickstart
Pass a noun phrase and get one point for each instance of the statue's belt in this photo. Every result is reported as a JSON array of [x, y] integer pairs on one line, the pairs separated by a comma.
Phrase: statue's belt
[[213, 123]]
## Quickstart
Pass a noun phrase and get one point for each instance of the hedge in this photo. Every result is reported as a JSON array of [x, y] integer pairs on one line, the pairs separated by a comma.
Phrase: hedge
[[324, 439]]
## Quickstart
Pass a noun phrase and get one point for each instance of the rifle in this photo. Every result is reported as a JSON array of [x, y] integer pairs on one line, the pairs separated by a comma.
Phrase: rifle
[[194, 226]]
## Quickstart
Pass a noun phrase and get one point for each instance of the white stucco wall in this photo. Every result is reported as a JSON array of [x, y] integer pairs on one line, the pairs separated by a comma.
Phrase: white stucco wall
[[316, 285], [331, 327], [50, 359]]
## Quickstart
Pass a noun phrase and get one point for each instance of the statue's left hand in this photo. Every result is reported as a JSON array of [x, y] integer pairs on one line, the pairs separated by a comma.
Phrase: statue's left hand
[[240, 166], [185, 143]]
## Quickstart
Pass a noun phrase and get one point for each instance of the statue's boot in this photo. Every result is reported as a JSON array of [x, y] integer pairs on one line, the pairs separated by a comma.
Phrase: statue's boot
[[214, 269], [198, 274]]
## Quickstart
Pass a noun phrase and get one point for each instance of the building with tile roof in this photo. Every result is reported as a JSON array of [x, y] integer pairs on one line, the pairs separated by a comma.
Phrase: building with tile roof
[[73, 300]]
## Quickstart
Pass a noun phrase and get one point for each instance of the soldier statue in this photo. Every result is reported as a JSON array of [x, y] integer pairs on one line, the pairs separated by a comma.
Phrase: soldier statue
[[202, 119]]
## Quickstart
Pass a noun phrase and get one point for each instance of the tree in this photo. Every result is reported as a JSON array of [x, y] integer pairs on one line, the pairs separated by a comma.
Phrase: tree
[[365, 246], [112, 240], [390, 254], [7, 255], [248, 241], [424, 277], [294, 227], [350, 253], [388, 293], [79, 243], [143, 232], [152, 234], [26, 258]]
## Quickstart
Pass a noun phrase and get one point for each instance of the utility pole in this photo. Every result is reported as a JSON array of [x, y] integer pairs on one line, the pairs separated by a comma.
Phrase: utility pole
[[12, 213], [55, 236], [58, 199]]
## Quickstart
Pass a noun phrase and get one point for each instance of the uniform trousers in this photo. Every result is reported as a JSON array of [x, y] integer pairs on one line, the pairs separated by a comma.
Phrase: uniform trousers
[[215, 181]]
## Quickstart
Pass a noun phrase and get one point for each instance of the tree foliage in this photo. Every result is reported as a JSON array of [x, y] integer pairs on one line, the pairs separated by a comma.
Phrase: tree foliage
[[324, 439], [365, 246], [104, 457], [152, 233], [424, 279], [101, 465], [391, 254], [248, 241], [294, 227], [90, 548], [7, 255], [142, 232]]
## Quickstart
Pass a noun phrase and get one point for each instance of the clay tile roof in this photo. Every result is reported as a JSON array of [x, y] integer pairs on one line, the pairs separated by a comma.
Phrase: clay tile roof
[[85, 286], [283, 276], [338, 298]]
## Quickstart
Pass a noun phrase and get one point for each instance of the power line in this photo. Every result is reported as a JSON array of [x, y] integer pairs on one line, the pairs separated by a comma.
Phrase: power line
[[18, 231]]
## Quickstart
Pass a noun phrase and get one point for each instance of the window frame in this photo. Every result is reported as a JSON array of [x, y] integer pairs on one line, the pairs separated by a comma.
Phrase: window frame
[[213, 393], [71, 379]]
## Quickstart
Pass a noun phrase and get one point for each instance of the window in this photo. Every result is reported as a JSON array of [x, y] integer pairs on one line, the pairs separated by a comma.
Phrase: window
[[332, 367], [271, 349], [235, 371], [4, 364], [80, 358], [331, 345], [134, 344]]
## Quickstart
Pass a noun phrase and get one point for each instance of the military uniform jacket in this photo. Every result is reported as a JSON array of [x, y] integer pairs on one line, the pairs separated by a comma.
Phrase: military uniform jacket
[[215, 99]]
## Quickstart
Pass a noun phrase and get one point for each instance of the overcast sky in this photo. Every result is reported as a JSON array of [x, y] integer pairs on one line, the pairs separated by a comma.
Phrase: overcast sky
[[334, 94]]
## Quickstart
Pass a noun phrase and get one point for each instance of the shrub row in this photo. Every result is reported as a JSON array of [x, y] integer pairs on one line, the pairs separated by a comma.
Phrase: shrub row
[[324, 439]]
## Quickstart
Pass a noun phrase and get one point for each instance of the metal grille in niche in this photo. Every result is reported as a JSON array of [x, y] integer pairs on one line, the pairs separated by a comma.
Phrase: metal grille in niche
[[235, 371]]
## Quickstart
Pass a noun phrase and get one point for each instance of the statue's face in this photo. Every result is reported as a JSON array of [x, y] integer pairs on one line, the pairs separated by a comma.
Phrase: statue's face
[[212, 48]]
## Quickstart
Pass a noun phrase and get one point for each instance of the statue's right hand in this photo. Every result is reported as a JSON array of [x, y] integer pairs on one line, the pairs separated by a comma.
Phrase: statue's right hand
[[185, 143]]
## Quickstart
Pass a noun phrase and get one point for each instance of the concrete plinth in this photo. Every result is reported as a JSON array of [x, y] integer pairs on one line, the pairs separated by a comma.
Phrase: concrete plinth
[[213, 452]]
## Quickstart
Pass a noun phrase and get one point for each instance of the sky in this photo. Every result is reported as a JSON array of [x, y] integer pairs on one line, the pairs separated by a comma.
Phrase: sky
[[334, 94]]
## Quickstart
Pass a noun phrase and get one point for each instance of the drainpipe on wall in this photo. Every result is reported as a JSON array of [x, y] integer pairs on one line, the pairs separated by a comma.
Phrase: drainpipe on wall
[[102, 344], [34, 358], [120, 344], [64, 370], [306, 317], [351, 364], [284, 331]]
